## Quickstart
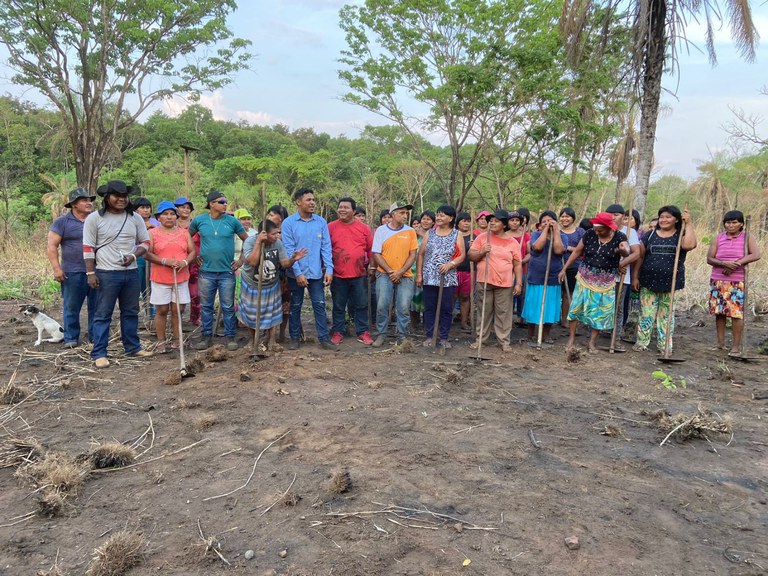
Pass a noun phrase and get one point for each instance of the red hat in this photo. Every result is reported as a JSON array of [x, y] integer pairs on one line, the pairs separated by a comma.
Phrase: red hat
[[604, 219], [483, 214]]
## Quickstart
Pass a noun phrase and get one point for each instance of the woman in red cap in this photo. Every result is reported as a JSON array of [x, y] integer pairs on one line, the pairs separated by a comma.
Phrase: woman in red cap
[[594, 298]]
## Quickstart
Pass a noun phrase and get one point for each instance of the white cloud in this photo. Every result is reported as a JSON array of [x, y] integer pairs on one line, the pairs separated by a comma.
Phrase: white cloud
[[220, 110]]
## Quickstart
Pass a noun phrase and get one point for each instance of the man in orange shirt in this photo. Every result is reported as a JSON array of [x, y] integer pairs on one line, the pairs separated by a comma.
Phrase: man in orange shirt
[[394, 251]]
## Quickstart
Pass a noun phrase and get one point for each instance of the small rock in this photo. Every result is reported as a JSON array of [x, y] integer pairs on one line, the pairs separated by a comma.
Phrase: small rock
[[283, 553], [281, 380], [249, 554], [459, 527], [245, 376], [572, 543]]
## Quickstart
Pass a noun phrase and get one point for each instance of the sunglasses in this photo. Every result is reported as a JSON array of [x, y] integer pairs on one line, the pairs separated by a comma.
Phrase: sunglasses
[[220, 202]]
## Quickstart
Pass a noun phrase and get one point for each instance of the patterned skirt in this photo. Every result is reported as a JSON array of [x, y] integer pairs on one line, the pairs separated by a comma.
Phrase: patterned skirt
[[726, 298], [595, 309], [271, 306]]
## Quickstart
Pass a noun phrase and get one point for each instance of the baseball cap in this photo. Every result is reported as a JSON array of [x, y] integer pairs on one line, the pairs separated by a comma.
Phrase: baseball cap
[[400, 204], [615, 209], [213, 195]]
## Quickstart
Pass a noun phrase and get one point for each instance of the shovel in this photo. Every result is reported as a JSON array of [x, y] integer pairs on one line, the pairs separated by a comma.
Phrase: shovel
[[741, 355], [667, 357], [182, 363], [539, 345]]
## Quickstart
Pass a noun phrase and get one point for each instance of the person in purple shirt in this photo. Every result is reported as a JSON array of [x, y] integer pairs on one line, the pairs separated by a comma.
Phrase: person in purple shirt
[[305, 229], [67, 234]]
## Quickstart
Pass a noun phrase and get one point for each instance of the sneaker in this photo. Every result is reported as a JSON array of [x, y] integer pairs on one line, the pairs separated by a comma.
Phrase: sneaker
[[379, 342], [337, 338], [364, 338], [203, 344], [427, 343], [329, 345], [142, 354], [294, 345], [101, 363], [444, 344], [506, 347], [232, 344]]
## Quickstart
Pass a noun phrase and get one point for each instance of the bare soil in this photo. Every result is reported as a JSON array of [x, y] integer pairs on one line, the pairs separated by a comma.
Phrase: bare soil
[[391, 461]]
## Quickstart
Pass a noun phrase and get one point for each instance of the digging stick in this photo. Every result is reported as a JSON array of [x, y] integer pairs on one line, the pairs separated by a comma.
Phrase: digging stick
[[668, 339], [544, 294], [436, 325], [260, 283], [182, 363], [472, 306], [743, 345], [485, 291]]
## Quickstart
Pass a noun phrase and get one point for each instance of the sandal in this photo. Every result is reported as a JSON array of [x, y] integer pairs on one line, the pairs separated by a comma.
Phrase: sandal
[[639, 348]]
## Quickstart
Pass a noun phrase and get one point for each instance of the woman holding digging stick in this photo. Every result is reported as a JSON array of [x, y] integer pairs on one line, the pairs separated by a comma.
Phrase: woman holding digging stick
[[594, 299], [499, 277], [729, 253], [652, 275]]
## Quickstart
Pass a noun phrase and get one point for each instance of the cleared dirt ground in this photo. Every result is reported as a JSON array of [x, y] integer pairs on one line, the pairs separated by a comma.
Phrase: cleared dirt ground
[[454, 466]]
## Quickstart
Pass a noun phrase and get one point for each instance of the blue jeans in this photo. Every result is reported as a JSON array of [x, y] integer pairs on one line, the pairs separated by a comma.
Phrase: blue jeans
[[317, 295], [116, 287], [350, 291], [75, 291], [385, 292], [209, 283], [445, 312]]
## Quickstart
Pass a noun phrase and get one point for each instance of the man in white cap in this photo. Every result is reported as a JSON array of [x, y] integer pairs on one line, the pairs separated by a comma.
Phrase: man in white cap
[[394, 250]]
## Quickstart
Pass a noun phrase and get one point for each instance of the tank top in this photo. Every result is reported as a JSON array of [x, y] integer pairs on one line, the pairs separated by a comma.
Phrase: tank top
[[729, 249], [439, 251]]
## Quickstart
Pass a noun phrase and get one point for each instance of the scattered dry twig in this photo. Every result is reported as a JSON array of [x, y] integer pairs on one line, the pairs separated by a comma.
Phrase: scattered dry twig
[[253, 470], [212, 544], [468, 429], [281, 496]]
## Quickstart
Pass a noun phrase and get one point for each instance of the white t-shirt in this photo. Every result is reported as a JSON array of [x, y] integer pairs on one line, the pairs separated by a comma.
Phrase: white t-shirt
[[634, 240]]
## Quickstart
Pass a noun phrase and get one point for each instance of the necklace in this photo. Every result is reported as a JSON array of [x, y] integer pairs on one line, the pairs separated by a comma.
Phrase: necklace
[[215, 228]]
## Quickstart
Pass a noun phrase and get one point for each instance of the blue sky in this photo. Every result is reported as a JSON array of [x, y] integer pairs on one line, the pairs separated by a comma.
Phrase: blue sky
[[294, 81]]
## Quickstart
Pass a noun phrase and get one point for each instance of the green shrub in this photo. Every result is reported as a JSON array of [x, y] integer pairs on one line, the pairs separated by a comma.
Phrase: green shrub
[[12, 289], [49, 292]]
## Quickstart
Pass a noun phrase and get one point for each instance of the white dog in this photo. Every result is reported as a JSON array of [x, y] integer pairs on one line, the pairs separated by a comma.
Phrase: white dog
[[43, 323]]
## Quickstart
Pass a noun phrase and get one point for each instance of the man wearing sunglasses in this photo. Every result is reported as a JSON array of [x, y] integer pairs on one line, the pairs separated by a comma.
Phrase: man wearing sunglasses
[[217, 231]]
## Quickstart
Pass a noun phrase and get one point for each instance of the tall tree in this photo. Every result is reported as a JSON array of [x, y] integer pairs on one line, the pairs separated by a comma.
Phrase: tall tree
[[102, 63], [657, 26], [455, 61]]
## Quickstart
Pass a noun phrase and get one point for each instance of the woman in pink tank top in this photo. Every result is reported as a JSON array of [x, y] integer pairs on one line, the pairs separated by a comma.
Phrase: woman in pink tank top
[[726, 284]]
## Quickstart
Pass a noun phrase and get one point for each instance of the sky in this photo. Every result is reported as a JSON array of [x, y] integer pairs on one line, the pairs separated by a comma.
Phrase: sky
[[294, 81]]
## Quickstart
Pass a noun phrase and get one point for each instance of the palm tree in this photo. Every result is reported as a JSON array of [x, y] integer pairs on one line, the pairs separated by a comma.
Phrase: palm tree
[[658, 25], [58, 196]]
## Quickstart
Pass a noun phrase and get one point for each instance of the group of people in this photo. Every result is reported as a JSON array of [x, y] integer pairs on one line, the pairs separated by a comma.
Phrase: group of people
[[556, 271]]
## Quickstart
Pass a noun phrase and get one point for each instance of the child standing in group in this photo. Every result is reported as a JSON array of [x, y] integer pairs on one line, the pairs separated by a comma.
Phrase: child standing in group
[[170, 248]]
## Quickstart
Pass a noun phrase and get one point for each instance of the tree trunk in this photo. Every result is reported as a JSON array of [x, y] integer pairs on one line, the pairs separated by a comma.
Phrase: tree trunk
[[653, 69]]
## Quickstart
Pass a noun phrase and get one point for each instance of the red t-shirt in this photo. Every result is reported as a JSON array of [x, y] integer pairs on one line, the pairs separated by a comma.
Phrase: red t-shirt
[[169, 245], [351, 247]]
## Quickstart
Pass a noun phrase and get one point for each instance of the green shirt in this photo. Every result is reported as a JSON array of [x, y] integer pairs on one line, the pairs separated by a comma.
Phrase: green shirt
[[217, 240]]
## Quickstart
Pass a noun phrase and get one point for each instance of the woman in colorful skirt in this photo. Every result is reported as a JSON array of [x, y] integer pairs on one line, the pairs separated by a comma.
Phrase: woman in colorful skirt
[[275, 258], [440, 254], [594, 298], [726, 284], [652, 275], [539, 246]]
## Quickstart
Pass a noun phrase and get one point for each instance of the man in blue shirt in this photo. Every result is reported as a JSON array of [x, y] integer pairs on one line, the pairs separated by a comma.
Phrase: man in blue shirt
[[305, 229], [217, 232]]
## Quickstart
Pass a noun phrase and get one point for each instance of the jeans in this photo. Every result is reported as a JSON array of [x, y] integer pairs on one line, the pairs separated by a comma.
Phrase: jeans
[[75, 291], [352, 292], [121, 287], [208, 284], [445, 312], [385, 292], [317, 295]]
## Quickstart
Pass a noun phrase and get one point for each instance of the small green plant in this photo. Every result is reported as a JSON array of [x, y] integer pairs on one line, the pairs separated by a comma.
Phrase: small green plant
[[668, 381], [49, 292], [12, 289]]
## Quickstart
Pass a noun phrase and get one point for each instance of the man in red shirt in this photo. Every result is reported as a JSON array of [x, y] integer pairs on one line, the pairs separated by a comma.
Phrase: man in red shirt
[[351, 242]]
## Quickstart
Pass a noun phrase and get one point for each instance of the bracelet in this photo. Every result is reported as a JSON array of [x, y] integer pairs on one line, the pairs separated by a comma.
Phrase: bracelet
[[135, 258], [163, 261], [90, 273], [185, 263]]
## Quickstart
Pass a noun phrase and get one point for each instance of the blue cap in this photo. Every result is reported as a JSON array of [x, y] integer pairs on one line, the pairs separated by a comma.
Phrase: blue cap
[[181, 201], [166, 205]]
